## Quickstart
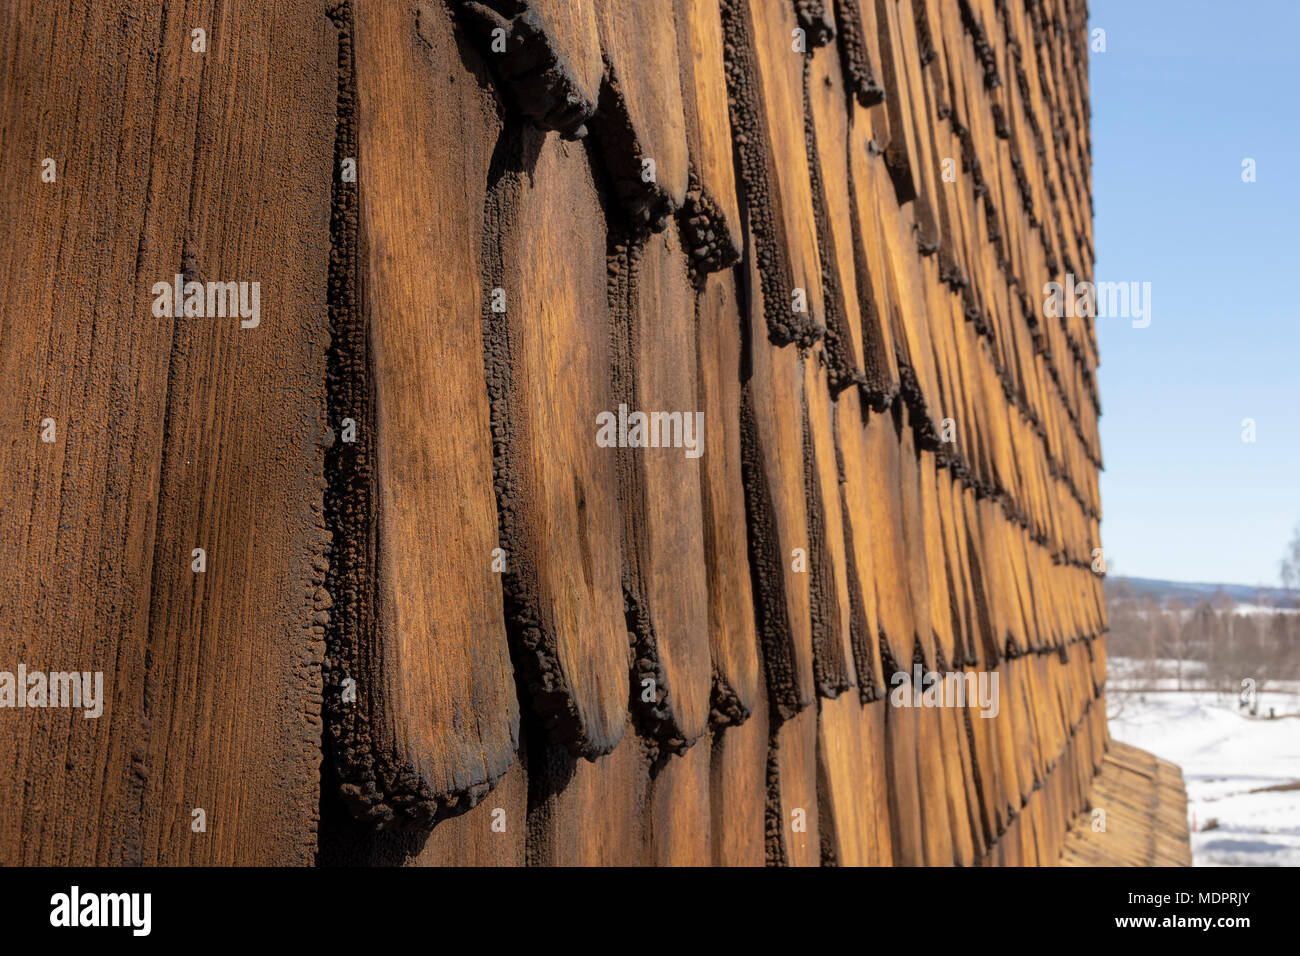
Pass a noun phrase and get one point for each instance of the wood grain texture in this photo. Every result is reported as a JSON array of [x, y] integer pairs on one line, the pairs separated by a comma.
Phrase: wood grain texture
[[681, 810], [549, 362], [420, 625], [771, 430], [851, 784], [641, 125], [907, 821], [713, 216], [793, 837], [173, 432], [444, 552], [664, 580], [590, 813], [733, 634], [738, 793]]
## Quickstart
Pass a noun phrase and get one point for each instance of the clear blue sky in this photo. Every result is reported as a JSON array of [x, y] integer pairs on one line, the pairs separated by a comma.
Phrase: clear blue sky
[[1183, 93]]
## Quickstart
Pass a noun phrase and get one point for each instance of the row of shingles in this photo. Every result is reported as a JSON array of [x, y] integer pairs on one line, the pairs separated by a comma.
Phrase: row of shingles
[[1145, 815], [922, 845], [421, 693], [956, 48], [997, 41], [835, 740], [447, 766], [780, 304], [1037, 738], [794, 754], [548, 353], [713, 219], [672, 222], [790, 102], [1058, 174], [909, 177], [842, 742], [1054, 178], [949, 103], [555, 531], [893, 620], [993, 30], [1082, 546], [1079, 549], [172, 433], [770, 451], [733, 705], [927, 796], [634, 804], [811, 477]]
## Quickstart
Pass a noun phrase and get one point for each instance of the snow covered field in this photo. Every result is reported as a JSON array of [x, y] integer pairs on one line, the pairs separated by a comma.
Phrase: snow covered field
[[1242, 772]]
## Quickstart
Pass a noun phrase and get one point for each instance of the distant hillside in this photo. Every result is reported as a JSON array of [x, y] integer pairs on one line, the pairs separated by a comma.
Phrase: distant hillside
[[1193, 592]]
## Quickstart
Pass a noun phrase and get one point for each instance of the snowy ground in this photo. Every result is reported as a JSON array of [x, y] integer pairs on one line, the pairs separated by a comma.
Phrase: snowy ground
[[1228, 759]]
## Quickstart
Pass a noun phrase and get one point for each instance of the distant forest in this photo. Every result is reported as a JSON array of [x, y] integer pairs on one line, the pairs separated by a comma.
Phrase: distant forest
[[1211, 637]]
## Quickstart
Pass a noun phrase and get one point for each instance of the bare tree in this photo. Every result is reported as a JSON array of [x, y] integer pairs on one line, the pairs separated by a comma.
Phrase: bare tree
[[1290, 567], [1175, 611]]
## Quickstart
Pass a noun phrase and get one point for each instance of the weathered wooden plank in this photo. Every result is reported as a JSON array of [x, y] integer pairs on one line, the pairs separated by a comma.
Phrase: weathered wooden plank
[[901, 149], [907, 824], [406, 747], [917, 377], [985, 755], [879, 351], [733, 632], [589, 813], [680, 809], [757, 56], [971, 777], [940, 593], [640, 125], [171, 432], [826, 121], [828, 583], [780, 67], [935, 789], [956, 541], [712, 226], [771, 431], [958, 782], [916, 110], [665, 583], [854, 797], [792, 802], [738, 792], [861, 547], [914, 543], [549, 360], [882, 484]]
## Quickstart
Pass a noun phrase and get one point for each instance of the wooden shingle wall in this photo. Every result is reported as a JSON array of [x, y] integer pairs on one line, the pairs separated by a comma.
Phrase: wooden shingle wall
[[1137, 814], [442, 621]]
